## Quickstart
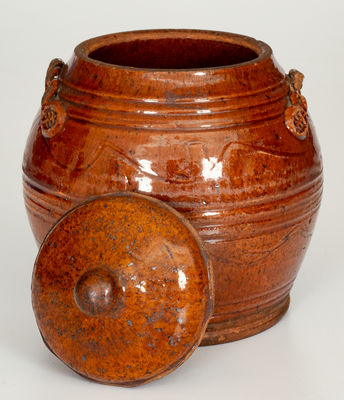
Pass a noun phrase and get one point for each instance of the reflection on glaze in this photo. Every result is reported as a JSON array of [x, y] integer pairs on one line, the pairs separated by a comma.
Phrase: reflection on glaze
[[149, 112], [151, 100], [141, 286], [211, 213], [211, 168], [145, 183], [181, 279], [146, 167]]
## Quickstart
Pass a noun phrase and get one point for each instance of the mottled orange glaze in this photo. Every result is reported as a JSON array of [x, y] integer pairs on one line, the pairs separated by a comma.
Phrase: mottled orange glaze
[[208, 123], [122, 289]]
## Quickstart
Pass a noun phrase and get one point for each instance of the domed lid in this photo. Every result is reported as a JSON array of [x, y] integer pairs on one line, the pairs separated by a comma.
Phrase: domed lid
[[122, 289]]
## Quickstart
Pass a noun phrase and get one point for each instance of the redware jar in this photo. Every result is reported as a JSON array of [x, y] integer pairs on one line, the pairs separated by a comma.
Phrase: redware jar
[[205, 121]]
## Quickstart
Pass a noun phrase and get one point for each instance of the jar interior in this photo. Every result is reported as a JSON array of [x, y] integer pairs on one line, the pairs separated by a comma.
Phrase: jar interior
[[173, 53]]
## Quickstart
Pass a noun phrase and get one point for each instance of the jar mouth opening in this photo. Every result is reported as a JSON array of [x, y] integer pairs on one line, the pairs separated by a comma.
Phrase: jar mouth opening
[[176, 49], [173, 53]]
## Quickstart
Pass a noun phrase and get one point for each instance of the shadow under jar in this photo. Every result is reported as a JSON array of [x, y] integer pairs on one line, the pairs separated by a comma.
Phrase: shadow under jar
[[205, 121]]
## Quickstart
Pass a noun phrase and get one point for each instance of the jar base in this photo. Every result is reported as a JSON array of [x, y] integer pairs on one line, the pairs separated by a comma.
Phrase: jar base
[[246, 325]]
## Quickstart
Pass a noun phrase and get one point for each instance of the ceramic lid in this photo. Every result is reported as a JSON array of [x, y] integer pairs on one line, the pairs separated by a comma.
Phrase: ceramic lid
[[122, 289]]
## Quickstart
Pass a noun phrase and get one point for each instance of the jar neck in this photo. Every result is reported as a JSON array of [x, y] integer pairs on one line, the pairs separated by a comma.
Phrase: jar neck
[[88, 70]]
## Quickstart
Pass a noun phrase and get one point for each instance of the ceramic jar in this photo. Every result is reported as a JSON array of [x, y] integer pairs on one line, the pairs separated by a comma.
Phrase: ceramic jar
[[204, 121]]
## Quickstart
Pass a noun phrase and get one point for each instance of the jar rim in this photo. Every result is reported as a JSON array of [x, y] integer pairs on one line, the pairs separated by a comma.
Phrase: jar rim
[[87, 47]]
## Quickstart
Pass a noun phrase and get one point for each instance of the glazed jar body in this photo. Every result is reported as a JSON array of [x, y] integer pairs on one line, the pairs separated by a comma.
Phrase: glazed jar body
[[213, 142]]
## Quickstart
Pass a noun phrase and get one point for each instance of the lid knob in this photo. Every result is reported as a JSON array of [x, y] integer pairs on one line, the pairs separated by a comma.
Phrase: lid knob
[[94, 292]]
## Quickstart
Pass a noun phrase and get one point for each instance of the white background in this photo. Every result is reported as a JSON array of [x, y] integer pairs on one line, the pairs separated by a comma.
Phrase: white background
[[302, 357]]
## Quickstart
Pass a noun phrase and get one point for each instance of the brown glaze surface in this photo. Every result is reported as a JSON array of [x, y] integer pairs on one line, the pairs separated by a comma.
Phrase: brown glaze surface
[[231, 147], [122, 289]]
